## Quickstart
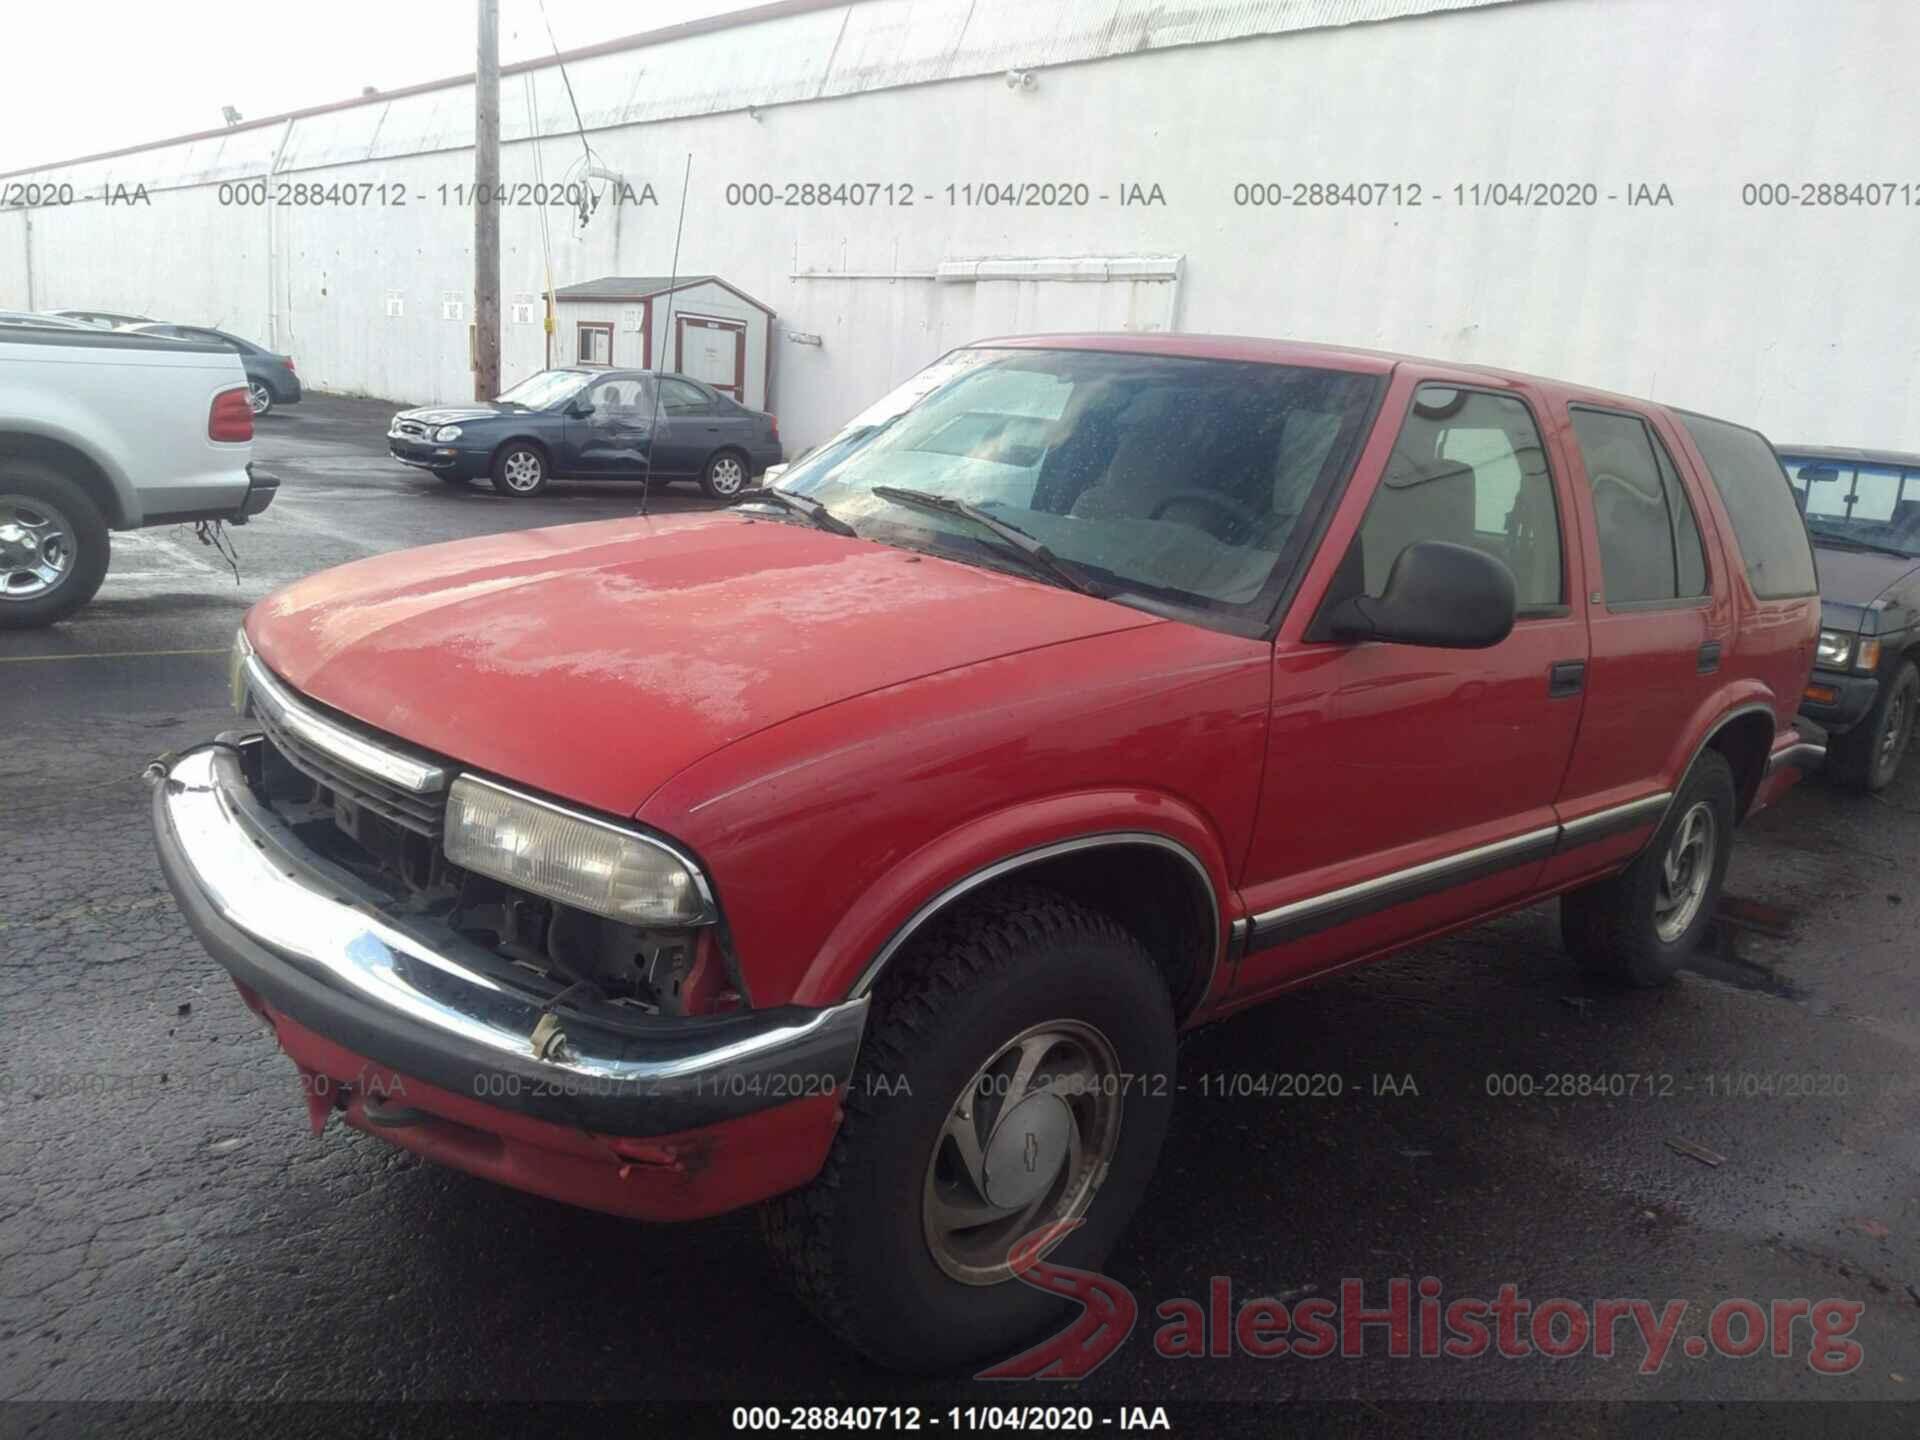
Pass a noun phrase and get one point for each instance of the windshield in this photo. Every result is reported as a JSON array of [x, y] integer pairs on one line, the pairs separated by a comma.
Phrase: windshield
[[1859, 502], [1178, 479], [549, 387]]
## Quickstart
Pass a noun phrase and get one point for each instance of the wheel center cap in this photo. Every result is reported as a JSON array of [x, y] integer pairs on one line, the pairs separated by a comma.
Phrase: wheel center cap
[[17, 546], [1027, 1149]]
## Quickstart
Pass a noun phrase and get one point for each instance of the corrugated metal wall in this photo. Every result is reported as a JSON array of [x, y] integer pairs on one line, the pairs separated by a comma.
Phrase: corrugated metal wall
[[1786, 317]]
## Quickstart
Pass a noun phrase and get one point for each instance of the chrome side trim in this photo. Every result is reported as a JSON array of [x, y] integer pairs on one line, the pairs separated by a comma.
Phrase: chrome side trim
[[1320, 912], [1802, 756], [354, 751], [1603, 824], [232, 867], [1033, 857]]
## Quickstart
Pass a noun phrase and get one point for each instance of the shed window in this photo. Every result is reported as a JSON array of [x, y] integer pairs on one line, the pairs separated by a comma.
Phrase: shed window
[[596, 343]]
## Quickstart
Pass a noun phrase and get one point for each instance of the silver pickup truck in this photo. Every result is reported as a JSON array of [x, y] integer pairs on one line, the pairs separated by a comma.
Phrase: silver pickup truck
[[103, 431]]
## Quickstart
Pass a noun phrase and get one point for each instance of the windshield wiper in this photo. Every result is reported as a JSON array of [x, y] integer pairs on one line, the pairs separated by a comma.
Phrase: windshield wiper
[[804, 506], [1854, 542], [1031, 550]]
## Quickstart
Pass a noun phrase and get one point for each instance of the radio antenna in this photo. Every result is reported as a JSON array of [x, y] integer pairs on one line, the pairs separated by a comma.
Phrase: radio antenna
[[673, 279]]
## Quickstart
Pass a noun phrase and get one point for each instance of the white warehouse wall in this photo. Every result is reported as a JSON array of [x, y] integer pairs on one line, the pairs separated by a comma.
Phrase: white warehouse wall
[[1788, 318]]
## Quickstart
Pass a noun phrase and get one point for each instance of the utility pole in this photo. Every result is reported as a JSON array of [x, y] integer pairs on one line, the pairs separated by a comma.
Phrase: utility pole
[[486, 213]]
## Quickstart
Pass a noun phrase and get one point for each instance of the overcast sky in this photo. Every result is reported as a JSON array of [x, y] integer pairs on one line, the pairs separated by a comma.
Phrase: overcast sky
[[106, 73]]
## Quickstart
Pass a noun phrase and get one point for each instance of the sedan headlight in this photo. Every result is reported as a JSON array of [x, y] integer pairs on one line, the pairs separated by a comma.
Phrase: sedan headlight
[[237, 658], [446, 432], [1834, 650], [572, 858]]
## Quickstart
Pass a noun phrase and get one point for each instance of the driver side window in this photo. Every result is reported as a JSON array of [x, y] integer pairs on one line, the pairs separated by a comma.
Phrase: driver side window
[[1468, 468]]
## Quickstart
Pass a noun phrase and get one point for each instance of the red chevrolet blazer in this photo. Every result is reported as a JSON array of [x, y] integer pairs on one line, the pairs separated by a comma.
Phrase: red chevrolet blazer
[[861, 849]]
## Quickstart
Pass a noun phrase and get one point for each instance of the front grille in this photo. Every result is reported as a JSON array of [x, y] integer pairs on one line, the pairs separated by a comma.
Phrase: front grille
[[422, 814], [412, 429]]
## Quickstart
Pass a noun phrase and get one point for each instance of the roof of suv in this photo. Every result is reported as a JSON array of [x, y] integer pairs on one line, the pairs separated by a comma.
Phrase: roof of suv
[[1280, 352]]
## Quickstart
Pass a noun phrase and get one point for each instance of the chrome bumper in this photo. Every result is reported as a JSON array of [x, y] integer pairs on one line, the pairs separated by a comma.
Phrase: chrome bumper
[[322, 947]]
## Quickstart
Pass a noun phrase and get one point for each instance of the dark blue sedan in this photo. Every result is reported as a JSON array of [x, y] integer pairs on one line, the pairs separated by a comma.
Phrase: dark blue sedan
[[592, 425]]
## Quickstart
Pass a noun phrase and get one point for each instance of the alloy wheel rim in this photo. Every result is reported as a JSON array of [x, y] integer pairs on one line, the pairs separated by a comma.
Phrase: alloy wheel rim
[[1899, 722], [258, 399], [38, 544], [1027, 1142], [727, 476], [522, 470], [1685, 871]]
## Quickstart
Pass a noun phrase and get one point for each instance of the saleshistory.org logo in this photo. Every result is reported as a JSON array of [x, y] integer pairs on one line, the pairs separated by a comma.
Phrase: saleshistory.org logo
[[1413, 1320]]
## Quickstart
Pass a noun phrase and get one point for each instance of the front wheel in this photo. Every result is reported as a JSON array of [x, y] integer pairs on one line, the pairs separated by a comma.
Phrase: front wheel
[[1017, 1074], [725, 475], [1640, 926], [520, 470], [1868, 756], [53, 545]]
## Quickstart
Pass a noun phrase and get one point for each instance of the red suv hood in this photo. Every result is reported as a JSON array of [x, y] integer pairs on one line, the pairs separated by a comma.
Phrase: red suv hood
[[595, 661]]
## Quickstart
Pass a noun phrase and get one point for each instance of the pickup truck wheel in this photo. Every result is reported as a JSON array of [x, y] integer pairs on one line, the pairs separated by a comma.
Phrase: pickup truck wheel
[[1639, 927], [1017, 1070], [520, 469], [1868, 756], [725, 475], [53, 545]]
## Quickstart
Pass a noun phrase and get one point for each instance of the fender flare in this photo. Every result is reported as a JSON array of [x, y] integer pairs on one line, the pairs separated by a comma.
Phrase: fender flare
[[993, 847]]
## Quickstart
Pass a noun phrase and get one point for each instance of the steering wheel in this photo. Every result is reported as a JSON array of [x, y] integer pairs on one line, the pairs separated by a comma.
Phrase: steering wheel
[[1232, 509]]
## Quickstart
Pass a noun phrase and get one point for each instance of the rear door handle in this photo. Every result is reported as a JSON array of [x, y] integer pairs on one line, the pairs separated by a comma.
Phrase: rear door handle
[[1566, 677], [1709, 657]]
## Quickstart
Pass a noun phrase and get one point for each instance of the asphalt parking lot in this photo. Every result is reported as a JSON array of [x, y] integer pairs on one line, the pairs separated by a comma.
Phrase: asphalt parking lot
[[170, 1230]]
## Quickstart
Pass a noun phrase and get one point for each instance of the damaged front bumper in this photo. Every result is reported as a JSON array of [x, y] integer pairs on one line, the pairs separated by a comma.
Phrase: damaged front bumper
[[360, 993]]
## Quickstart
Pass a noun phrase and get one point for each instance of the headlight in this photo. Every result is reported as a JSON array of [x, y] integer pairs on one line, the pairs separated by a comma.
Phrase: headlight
[[237, 658], [572, 858], [447, 432], [1834, 650]]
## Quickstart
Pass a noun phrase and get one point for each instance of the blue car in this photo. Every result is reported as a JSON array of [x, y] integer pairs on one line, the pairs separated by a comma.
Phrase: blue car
[[592, 425]]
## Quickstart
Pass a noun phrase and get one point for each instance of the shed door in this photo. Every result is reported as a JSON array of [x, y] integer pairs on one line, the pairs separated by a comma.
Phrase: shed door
[[713, 352]]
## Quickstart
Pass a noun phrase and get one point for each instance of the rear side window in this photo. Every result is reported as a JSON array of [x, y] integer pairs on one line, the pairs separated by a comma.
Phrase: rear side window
[[1649, 540], [1766, 521], [1468, 468]]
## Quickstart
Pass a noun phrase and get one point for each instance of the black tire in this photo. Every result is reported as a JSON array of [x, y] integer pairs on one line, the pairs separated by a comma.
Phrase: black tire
[[510, 475], [1868, 756], [25, 484], [259, 397], [725, 475], [854, 1242], [1613, 927]]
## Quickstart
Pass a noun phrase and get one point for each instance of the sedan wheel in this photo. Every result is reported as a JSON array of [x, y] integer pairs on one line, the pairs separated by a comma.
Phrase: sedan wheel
[[520, 471], [259, 397], [725, 476]]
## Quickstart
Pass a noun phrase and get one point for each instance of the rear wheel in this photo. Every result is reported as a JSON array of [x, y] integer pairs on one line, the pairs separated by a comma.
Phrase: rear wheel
[[520, 469], [1016, 1073], [1868, 756], [259, 397], [1640, 926], [725, 475], [53, 545]]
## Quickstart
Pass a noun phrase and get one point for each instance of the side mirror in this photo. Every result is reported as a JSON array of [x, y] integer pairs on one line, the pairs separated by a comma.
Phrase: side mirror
[[577, 409], [1449, 596]]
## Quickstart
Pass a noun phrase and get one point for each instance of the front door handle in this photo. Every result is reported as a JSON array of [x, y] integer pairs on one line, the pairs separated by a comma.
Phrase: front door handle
[[1566, 677]]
